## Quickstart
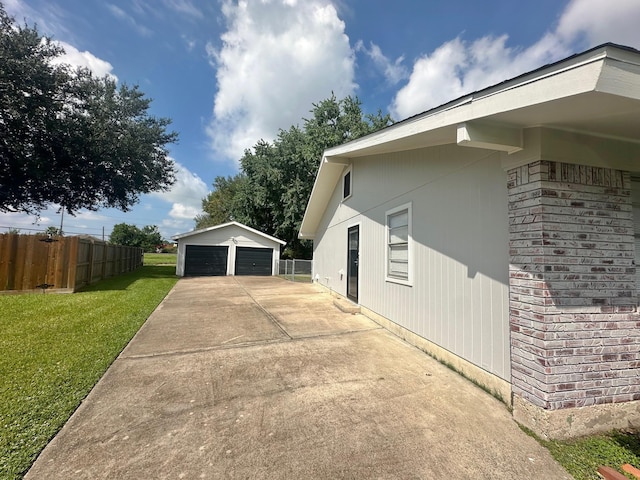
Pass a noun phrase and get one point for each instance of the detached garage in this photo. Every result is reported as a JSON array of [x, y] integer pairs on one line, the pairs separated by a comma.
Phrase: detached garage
[[228, 249]]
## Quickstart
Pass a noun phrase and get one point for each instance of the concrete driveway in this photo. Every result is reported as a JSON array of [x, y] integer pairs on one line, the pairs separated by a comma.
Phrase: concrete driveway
[[246, 377]]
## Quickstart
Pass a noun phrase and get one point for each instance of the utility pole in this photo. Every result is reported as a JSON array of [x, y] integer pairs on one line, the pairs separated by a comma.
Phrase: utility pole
[[61, 220]]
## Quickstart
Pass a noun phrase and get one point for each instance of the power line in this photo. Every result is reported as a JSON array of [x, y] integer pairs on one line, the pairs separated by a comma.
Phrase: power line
[[20, 229]]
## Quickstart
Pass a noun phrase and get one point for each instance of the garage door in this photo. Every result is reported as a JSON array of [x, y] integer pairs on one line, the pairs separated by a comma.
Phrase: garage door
[[205, 260], [254, 261]]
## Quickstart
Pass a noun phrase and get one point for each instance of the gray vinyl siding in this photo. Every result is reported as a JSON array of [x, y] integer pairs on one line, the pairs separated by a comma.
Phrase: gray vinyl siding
[[459, 293]]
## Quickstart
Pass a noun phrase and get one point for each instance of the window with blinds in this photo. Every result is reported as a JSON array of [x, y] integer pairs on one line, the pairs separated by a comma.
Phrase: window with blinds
[[398, 237]]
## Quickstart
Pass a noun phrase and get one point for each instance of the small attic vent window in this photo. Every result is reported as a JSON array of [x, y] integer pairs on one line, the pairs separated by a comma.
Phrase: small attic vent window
[[346, 185]]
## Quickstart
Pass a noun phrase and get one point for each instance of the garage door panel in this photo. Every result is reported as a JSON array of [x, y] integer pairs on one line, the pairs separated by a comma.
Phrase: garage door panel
[[205, 260], [254, 261]]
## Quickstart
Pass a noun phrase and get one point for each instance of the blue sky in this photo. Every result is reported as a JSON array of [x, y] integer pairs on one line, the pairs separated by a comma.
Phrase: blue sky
[[231, 72]]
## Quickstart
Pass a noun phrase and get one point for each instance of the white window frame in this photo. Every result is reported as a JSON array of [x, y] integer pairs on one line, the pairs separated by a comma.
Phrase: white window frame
[[348, 171], [390, 278]]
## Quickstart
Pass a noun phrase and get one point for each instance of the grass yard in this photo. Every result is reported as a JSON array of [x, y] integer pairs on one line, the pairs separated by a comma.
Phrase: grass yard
[[160, 259], [55, 347], [582, 457]]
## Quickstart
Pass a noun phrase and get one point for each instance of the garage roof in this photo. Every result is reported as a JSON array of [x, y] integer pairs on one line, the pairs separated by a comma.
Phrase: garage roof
[[596, 92], [224, 225]]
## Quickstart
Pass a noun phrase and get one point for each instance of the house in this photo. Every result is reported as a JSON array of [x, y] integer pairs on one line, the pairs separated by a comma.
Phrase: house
[[499, 232], [228, 249]]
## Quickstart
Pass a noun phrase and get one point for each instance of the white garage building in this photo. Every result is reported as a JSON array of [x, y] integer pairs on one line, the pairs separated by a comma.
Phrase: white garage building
[[227, 249]]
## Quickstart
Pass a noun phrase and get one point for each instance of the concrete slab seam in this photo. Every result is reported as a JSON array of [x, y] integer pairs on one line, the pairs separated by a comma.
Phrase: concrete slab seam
[[265, 311]]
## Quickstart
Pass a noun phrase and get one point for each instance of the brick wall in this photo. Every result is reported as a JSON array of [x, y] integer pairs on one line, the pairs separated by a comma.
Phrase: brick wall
[[575, 333]]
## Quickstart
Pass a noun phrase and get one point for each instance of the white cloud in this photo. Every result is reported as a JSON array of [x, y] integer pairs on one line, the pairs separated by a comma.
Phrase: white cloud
[[185, 212], [83, 221], [393, 72], [75, 57], [90, 216], [171, 227], [457, 67], [434, 79], [27, 223], [185, 195], [601, 21], [13, 6], [49, 18], [185, 7], [50, 21], [125, 17], [277, 58], [189, 42]]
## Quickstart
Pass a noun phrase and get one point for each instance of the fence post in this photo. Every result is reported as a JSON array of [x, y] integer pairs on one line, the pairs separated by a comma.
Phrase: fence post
[[104, 260], [73, 264], [294, 270], [92, 252]]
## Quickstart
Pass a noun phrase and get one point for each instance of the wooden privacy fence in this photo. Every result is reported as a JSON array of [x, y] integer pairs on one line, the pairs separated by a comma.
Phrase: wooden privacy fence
[[60, 264]]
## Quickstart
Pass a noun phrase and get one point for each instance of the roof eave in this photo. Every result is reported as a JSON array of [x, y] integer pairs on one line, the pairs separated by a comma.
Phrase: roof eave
[[579, 74]]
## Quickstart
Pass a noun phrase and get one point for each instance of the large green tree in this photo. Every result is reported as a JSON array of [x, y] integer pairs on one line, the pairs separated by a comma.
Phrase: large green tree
[[147, 237], [70, 138], [276, 178], [221, 205]]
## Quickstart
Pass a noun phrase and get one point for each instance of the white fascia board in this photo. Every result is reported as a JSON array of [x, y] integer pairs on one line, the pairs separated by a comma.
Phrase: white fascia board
[[329, 173], [395, 133], [620, 78]]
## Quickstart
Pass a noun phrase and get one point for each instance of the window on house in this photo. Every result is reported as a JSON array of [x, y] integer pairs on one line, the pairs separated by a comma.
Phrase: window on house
[[346, 184], [398, 236]]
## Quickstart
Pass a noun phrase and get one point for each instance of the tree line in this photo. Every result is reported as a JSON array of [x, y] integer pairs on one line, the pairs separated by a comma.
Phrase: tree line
[[148, 237], [275, 180]]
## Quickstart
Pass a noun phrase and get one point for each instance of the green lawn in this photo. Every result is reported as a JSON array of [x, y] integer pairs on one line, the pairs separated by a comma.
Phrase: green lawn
[[55, 347], [583, 456], [160, 259]]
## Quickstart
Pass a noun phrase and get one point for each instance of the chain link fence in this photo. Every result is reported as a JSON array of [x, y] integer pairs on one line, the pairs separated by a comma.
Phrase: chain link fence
[[296, 270]]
